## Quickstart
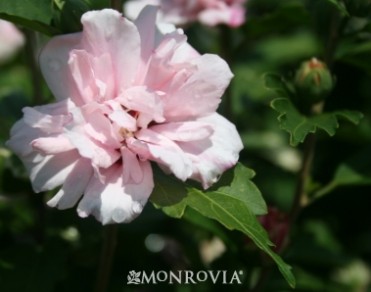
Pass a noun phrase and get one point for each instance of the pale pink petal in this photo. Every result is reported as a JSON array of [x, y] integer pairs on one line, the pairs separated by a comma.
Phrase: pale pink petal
[[48, 172], [133, 9], [124, 120], [201, 93], [83, 75], [145, 102], [138, 147], [52, 145], [74, 185], [184, 131], [113, 201], [131, 166], [212, 156], [54, 66], [104, 76], [100, 129], [99, 154], [160, 69], [146, 28], [40, 121], [60, 108], [184, 53], [106, 31], [21, 136], [92, 76], [48, 123], [166, 152]]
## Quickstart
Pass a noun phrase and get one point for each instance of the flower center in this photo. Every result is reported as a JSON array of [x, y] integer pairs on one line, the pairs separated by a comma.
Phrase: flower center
[[125, 133]]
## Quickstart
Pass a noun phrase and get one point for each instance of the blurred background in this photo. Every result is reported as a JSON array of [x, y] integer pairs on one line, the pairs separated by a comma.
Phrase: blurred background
[[44, 249]]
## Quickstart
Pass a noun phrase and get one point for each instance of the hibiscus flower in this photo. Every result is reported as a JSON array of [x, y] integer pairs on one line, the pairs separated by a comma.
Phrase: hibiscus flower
[[127, 95]]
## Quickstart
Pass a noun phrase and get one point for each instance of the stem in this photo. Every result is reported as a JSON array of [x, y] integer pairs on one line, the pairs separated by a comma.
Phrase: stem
[[323, 191], [106, 260], [31, 53], [117, 5], [300, 197]]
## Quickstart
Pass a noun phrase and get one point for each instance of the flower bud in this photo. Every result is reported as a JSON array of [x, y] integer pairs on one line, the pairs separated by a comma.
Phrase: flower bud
[[313, 81]]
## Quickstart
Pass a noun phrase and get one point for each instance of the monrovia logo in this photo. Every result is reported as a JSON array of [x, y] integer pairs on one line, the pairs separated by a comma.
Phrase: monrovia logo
[[185, 277]]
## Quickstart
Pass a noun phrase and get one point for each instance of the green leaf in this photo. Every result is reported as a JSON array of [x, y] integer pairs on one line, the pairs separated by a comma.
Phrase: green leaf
[[31, 15], [277, 84], [233, 206], [235, 215], [299, 125], [340, 6], [210, 225], [168, 194], [242, 188], [355, 171], [28, 9], [346, 175]]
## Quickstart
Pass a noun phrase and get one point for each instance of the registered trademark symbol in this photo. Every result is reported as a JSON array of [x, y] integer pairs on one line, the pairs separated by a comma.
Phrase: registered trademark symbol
[[240, 272]]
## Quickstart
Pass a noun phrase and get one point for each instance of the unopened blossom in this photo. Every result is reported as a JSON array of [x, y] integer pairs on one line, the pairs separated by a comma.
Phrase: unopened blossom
[[180, 12], [127, 95], [11, 39]]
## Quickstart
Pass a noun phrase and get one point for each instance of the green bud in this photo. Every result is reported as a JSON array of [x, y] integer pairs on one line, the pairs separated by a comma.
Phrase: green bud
[[313, 81]]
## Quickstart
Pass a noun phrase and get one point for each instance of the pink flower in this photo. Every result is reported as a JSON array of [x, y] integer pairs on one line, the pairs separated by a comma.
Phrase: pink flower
[[179, 12], [127, 95], [11, 39]]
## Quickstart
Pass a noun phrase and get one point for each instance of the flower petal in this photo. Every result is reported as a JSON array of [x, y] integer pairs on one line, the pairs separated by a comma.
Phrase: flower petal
[[39, 121], [54, 66], [145, 22], [146, 103], [200, 94], [164, 151], [45, 122], [21, 136], [212, 156], [114, 201], [106, 31], [74, 186], [184, 131], [131, 166], [52, 145], [48, 172], [99, 154]]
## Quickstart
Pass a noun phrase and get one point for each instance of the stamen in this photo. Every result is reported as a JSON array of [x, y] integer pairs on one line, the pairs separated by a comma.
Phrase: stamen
[[125, 133]]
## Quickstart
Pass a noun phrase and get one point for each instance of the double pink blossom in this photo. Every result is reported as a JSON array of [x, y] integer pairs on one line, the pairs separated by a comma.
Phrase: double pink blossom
[[179, 12], [127, 94], [11, 39]]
